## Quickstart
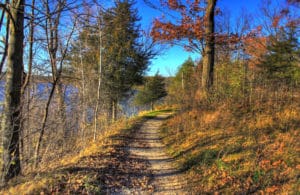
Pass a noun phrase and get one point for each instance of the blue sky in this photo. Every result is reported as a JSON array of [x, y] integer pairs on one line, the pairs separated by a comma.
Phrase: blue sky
[[168, 62]]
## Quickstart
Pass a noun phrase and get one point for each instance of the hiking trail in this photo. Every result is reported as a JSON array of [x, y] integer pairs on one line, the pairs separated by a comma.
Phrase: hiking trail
[[158, 173]]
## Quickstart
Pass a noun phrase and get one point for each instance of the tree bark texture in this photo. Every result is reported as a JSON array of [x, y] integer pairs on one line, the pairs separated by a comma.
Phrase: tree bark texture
[[10, 128], [209, 52]]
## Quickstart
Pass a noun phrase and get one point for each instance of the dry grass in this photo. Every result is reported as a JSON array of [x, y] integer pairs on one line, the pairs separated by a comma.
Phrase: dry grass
[[228, 149], [74, 173]]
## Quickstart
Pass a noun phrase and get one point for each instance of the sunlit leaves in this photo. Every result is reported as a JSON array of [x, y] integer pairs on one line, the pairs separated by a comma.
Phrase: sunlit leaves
[[255, 47], [189, 27]]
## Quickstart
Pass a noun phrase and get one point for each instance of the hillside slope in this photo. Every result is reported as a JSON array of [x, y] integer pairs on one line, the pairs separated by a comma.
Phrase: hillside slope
[[228, 149], [128, 159]]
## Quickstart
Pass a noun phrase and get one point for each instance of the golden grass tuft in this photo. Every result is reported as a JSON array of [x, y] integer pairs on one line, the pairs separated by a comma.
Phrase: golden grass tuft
[[31, 187]]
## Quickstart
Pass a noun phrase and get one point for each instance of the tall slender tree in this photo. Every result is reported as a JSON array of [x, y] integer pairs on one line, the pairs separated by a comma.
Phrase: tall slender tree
[[54, 43], [85, 61], [10, 127], [52, 27]]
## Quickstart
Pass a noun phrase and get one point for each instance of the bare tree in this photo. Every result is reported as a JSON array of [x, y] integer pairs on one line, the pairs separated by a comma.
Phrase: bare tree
[[52, 28], [99, 75], [52, 36]]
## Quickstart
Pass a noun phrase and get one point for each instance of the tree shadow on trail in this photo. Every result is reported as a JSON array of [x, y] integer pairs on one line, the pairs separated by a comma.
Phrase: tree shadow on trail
[[109, 173]]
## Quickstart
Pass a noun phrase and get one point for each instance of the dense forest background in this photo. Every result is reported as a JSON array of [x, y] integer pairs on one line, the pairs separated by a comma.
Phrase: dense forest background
[[71, 69]]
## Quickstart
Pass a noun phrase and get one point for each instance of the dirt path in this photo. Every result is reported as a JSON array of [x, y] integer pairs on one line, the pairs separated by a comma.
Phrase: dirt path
[[138, 163], [133, 161], [146, 145]]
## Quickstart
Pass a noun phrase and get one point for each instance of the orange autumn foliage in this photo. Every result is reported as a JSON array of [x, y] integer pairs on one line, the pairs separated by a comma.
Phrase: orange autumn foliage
[[255, 43], [255, 47], [190, 28]]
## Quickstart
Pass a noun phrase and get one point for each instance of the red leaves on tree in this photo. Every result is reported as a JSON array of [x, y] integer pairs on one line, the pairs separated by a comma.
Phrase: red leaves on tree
[[255, 43], [275, 21], [190, 28], [293, 2], [284, 18], [255, 47], [173, 4]]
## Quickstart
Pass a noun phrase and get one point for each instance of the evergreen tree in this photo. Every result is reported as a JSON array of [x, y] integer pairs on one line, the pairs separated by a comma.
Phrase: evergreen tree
[[125, 58], [154, 89], [281, 61]]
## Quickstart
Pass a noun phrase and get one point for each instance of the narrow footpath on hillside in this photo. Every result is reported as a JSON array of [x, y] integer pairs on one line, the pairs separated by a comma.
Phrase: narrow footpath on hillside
[[132, 161], [148, 168]]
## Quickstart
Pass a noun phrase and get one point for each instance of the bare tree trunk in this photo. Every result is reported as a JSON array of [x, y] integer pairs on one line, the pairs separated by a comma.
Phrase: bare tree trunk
[[27, 78], [83, 94], [10, 128], [31, 40], [209, 52], [51, 29], [46, 111], [112, 110], [99, 80], [62, 108], [4, 55], [42, 131]]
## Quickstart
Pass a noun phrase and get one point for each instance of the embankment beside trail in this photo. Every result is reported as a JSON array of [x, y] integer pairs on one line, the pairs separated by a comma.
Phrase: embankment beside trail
[[227, 149]]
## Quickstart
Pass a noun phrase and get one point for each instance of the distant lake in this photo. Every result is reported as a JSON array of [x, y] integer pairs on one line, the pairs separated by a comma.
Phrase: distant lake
[[42, 90]]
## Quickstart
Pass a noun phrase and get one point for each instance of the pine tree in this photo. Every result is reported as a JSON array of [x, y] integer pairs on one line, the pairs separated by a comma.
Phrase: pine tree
[[154, 89], [280, 63], [125, 59]]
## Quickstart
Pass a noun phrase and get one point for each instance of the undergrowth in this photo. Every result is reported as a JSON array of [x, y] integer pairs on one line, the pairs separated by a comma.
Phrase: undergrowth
[[81, 173], [226, 148]]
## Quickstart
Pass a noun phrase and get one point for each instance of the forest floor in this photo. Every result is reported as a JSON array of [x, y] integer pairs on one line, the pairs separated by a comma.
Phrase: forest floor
[[132, 161]]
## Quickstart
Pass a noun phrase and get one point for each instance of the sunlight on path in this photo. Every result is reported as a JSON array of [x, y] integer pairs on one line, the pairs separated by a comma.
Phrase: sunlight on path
[[147, 144]]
